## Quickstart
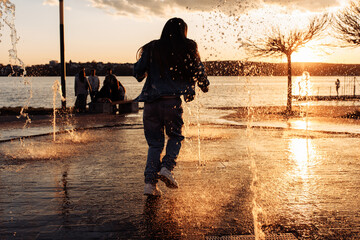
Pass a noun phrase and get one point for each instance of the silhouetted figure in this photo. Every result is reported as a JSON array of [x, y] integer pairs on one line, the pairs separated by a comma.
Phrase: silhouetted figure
[[337, 84], [113, 88], [171, 66], [94, 84], [81, 91]]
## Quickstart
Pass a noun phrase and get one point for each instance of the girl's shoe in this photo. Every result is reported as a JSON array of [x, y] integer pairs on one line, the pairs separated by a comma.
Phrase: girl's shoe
[[167, 177]]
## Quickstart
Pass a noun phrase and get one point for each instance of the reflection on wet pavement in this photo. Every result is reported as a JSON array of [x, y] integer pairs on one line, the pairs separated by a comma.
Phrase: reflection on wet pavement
[[91, 186]]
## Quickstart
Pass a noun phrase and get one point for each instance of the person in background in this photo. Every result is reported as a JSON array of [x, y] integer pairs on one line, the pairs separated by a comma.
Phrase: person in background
[[94, 84], [172, 67], [81, 90], [115, 90], [337, 85]]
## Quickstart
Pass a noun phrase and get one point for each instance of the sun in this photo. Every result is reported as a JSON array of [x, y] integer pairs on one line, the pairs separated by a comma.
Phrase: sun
[[305, 54]]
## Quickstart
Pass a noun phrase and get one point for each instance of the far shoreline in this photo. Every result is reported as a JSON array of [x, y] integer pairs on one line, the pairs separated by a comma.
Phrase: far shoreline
[[213, 68]]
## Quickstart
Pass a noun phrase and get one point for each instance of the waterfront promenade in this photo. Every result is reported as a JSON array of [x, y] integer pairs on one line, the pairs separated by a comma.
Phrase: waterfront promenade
[[88, 183]]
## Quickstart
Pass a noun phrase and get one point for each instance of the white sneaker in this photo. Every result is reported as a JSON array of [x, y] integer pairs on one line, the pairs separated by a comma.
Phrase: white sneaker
[[152, 190], [167, 177]]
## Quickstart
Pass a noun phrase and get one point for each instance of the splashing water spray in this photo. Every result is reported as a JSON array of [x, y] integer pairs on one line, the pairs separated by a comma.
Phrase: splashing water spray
[[306, 79], [257, 210], [193, 109], [56, 87], [7, 14], [228, 25], [200, 160]]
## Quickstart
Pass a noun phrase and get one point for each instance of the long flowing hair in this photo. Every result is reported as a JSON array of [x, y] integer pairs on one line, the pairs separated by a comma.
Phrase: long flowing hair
[[173, 51], [82, 75]]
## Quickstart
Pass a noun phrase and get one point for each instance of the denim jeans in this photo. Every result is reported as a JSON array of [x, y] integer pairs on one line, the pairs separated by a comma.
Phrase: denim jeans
[[162, 115], [80, 103]]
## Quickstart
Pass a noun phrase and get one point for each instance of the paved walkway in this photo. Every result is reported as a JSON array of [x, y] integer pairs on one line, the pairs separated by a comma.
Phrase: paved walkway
[[88, 184], [12, 127]]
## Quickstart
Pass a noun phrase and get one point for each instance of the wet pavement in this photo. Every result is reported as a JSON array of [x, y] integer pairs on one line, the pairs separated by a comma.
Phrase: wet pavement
[[88, 183]]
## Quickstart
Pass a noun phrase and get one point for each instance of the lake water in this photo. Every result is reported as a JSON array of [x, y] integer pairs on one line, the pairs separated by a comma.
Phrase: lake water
[[224, 91]]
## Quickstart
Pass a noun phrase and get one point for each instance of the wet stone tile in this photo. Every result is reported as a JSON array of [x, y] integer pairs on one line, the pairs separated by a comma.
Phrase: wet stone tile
[[289, 181]]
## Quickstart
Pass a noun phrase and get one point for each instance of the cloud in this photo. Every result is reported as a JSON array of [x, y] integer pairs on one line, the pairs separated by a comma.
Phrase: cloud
[[51, 2], [54, 3], [168, 7], [310, 5], [162, 7]]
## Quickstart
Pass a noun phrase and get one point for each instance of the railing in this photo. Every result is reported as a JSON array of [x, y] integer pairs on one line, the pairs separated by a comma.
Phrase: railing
[[349, 89]]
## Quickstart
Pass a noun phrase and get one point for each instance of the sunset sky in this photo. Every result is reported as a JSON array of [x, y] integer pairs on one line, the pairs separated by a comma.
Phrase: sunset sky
[[113, 30]]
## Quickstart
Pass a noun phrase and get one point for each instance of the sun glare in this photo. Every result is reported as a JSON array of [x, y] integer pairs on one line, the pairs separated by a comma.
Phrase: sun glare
[[305, 54]]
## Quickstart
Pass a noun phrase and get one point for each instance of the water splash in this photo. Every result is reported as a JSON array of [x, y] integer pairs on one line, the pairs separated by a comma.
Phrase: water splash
[[7, 14], [257, 210], [42, 148], [56, 90], [192, 127], [198, 105], [304, 84], [23, 113], [306, 78], [304, 90], [72, 135]]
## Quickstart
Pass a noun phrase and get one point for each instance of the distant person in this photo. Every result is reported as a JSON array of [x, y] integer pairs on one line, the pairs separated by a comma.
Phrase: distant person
[[81, 91], [337, 85], [114, 89], [171, 66], [94, 84]]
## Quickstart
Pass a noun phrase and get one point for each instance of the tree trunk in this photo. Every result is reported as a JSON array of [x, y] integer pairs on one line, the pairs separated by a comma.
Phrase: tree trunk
[[289, 95]]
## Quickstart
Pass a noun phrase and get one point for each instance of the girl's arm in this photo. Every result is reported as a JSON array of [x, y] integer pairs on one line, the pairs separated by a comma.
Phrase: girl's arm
[[201, 78], [141, 66]]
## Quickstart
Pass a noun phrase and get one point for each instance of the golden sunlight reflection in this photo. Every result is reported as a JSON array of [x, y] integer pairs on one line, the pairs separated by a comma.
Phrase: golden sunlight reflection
[[206, 133], [44, 148], [301, 124], [302, 153]]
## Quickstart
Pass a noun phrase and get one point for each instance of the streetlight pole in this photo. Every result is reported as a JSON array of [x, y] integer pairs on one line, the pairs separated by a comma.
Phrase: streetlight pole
[[354, 87], [62, 55]]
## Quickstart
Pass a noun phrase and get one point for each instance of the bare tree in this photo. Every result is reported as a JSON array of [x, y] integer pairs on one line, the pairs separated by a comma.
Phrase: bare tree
[[347, 24], [278, 43]]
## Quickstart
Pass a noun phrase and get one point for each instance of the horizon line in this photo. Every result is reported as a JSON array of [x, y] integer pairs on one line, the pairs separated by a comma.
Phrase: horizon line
[[57, 62]]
